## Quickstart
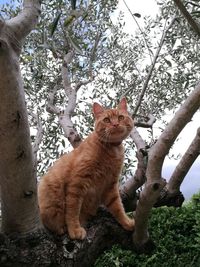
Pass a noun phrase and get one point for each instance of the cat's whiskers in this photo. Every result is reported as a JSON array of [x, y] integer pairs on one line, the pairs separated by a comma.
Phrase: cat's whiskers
[[104, 137]]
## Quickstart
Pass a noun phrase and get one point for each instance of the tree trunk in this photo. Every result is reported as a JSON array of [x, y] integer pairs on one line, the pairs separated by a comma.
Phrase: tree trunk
[[17, 175]]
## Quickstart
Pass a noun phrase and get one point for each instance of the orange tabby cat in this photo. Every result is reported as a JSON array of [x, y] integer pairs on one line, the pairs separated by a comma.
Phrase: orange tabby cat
[[72, 190]]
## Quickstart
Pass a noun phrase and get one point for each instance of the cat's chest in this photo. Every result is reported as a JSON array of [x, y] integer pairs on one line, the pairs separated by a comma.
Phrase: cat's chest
[[107, 168]]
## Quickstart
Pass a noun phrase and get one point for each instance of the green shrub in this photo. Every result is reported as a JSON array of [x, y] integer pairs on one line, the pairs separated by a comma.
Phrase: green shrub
[[176, 233]]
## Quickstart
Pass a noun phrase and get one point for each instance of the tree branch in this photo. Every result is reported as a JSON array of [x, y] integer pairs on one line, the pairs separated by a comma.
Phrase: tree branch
[[139, 142], [26, 20], [145, 85], [51, 108], [184, 165], [65, 117], [195, 26], [155, 161], [143, 35], [128, 190], [144, 206], [161, 148]]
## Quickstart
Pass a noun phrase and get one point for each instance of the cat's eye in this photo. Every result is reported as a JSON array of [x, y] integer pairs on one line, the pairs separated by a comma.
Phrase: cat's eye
[[106, 120], [120, 117]]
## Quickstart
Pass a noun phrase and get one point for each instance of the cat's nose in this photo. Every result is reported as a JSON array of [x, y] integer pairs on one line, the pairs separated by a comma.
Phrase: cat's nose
[[115, 124]]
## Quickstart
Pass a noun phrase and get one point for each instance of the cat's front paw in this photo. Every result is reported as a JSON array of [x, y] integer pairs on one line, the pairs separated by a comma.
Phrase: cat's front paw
[[129, 224], [77, 233]]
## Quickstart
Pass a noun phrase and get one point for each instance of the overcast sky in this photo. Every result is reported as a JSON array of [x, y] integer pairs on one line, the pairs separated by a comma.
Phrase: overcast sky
[[191, 183]]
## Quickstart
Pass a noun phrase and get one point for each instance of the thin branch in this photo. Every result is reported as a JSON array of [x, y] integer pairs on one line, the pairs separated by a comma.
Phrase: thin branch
[[65, 73], [194, 24], [139, 142], [51, 108], [82, 83], [91, 61], [145, 85], [184, 165], [143, 35], [93, 52]]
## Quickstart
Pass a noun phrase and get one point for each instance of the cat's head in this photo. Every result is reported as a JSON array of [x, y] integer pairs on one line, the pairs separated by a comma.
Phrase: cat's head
[[112, 125]]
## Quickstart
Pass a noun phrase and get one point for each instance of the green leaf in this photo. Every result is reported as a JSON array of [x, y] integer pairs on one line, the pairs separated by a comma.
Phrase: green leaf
[[63, 142], [68, 21], [55, 24], [168, 62], [137, 15]]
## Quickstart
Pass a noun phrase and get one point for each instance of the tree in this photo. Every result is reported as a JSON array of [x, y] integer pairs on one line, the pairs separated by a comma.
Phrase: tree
[[65, 57], [18, 178]]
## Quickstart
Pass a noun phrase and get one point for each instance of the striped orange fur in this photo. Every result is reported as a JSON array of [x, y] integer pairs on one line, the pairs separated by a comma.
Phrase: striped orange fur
[[72, 190]]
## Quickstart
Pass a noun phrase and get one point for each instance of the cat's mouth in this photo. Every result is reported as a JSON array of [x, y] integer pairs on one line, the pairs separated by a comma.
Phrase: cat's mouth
[[115, 135]]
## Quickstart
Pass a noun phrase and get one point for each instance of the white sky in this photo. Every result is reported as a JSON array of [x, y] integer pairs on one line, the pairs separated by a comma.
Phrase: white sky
[[143, 7]]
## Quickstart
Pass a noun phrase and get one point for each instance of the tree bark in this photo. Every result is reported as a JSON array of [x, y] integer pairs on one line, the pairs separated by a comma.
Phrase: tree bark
[[156, 158], [41, 248], [17, 175], [184, 165], [194, 24]]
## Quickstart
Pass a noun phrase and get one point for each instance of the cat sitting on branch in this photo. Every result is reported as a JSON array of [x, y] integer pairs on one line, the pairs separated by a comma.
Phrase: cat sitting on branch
[[87, 177]]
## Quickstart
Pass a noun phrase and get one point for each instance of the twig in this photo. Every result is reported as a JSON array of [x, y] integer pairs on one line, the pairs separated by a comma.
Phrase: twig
[[91, 61], [150, 53], [145, 85]]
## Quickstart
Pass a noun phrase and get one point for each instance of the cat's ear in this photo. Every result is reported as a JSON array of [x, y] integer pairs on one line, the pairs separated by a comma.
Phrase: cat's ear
[[123, 105], [97, 110]]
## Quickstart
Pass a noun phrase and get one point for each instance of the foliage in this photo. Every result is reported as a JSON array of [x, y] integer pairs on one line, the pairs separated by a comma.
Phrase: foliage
[[175, 232], [120, 65]]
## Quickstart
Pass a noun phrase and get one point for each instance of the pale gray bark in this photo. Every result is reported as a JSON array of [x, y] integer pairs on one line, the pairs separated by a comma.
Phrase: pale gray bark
[[65, 115], [157, 154], [184, 165], [17, 175]]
